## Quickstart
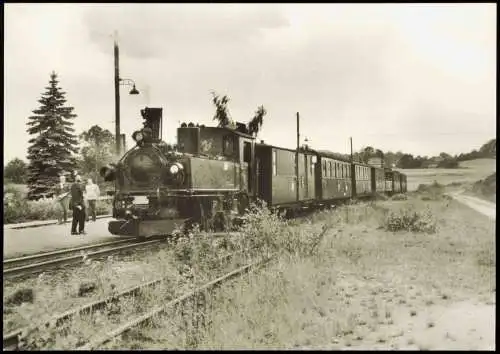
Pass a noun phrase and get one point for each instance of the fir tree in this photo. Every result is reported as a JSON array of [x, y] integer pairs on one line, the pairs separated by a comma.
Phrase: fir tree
[[53, 143]]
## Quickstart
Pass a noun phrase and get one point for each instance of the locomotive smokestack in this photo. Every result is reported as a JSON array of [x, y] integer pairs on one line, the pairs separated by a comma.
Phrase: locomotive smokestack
[[154, 120]]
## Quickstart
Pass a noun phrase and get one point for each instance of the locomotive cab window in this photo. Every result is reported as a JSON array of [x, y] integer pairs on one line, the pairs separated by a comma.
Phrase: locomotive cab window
[[228, 145], [247, 152]]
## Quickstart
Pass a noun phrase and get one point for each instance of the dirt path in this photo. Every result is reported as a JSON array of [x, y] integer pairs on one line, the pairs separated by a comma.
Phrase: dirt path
[[464, 325], [482, 206]]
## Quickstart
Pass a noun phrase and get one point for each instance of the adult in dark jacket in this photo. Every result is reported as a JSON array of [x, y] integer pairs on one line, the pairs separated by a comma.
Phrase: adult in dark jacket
[[77, 204]]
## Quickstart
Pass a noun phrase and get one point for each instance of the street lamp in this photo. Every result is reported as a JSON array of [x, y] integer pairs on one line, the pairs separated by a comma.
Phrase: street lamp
[[119, 82], [129, 82]]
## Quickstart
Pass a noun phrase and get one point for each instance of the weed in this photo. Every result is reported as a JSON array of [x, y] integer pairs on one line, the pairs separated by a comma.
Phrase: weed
[[408, 219], [399, 197]]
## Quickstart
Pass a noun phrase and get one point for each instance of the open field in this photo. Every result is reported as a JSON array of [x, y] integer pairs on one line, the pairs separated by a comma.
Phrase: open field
[[469, 172]]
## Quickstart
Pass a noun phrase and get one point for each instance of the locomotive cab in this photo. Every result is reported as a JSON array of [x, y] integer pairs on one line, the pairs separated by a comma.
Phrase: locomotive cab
[[208, 177], [221, 144]]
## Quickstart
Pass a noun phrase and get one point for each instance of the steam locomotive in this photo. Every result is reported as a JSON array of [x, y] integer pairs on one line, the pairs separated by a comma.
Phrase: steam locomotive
[[213, 174]]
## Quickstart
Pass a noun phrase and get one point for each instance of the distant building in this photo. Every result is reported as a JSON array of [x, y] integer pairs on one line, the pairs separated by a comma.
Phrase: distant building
[[432, 162], [376, 161]]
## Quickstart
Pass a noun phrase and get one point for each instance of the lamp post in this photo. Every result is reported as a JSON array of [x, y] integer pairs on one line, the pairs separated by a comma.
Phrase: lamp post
[[118, 82]]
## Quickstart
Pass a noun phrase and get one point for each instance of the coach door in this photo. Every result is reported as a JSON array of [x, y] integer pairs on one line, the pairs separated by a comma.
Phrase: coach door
[[309, 192], [305, 178]]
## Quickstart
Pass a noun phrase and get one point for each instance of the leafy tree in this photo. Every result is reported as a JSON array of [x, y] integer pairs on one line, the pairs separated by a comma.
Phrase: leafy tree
[[406, 161], [448, 163], [489, 149], [222, 115], [97, 150], [53, 144], [379, 153], [224, 119], [445, 156], [256, 122], [16, 171], [365, 154]]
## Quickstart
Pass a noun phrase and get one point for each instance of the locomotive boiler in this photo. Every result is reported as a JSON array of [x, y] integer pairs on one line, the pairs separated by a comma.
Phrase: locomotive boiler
[[205, 179]]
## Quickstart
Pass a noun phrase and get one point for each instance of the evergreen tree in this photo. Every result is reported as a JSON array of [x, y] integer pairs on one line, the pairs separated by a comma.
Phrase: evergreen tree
[[53, 143]]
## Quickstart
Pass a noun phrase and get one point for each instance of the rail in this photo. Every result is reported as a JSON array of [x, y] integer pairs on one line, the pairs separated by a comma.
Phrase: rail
[[12, 340], [38, 267]]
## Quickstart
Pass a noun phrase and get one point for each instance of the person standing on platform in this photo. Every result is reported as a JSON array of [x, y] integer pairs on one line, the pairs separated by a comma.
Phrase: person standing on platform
[[62, 197], [77, 204], [92, 193]]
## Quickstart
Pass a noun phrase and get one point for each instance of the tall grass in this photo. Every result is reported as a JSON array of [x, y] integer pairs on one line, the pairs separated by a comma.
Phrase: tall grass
[[355, 281]]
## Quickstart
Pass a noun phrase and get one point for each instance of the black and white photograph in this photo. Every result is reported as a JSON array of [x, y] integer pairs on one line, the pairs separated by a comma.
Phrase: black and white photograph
[[249, 176]]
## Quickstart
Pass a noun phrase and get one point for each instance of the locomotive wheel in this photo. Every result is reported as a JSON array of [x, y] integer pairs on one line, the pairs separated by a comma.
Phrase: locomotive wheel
[[220, 222], [243, 203], [207, 215]]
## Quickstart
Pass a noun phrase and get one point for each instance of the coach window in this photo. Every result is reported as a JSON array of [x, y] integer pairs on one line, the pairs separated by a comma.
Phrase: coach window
[[274, 163], [324, 168], [331, 168]]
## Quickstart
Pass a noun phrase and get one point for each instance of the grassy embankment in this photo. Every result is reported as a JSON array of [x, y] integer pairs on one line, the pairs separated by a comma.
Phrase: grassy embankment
[[485, 188], [378, 271]]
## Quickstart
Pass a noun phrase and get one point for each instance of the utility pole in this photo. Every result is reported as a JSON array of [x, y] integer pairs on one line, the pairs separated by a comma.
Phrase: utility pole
[[297, 157], [351, 150], [117, 97]]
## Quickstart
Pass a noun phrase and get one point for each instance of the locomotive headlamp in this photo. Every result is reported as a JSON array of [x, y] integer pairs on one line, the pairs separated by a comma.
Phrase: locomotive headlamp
[[138, 136], [174, 169]]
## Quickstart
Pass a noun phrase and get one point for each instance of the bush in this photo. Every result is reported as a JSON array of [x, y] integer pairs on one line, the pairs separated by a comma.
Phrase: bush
[[408, 219], [399, 197], [18, 209], [380, 196], [434, 191], [448, 163]]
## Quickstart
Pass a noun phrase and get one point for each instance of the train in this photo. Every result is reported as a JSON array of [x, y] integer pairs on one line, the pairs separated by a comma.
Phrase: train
[[213, 174]]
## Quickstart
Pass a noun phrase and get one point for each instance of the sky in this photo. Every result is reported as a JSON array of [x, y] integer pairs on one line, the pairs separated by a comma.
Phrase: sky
[[401, 77]]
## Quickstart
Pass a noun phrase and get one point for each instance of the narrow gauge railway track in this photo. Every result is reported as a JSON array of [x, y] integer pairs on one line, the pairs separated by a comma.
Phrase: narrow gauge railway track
[[16, 267], [12, 340]]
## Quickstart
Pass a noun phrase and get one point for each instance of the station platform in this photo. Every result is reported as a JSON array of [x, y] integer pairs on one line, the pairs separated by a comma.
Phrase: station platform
[[32, 238], [38, 223]]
